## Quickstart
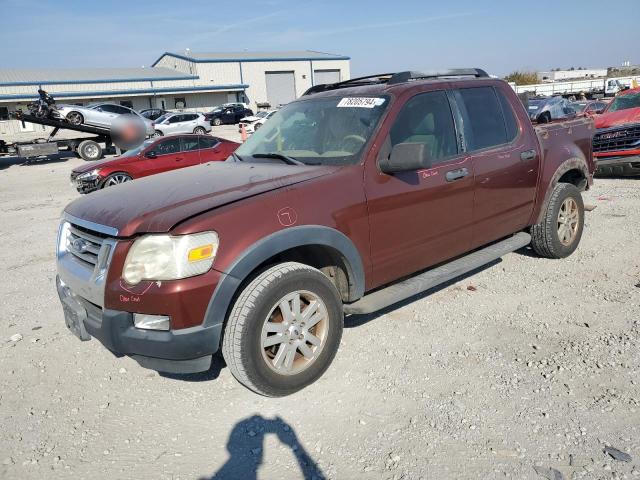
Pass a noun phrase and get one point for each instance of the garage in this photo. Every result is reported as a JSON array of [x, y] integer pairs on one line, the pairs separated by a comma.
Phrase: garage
[[281, 88], [326, 76]]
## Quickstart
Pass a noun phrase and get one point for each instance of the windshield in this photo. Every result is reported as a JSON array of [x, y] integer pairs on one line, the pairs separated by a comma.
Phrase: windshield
[[623, 102], [138, 149], [323, 131], [162, 118], [579, 106]]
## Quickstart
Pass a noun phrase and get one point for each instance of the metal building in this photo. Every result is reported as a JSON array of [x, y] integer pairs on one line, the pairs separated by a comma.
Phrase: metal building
[[192, 82]]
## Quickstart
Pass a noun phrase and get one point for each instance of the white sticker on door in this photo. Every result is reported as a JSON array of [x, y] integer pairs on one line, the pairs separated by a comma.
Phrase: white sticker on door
[[360, 102]]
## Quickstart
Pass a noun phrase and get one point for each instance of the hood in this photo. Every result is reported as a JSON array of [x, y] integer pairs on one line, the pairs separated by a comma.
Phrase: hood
[[619, 117], [157, 203], [107, 162]]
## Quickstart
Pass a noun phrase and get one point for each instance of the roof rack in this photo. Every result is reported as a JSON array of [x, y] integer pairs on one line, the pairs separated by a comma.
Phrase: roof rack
[[396, 78], [402, 77]]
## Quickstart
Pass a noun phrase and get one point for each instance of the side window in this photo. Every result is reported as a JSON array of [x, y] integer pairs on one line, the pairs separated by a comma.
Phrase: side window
[[189, 143], [510, 122], [484, 125], [208, 142], [169, 146], [176, 119], [107, 109], [192, 117], [426, 118]]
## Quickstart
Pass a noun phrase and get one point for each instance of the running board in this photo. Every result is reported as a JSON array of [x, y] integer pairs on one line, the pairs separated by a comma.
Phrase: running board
[[412, 286]]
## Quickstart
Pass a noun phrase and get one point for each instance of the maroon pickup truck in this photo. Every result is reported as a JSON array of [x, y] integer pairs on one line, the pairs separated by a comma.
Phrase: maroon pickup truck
[[358, 195]]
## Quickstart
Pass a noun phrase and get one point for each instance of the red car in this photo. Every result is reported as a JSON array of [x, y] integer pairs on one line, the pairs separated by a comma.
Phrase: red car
[[156, 155], [616, 143]]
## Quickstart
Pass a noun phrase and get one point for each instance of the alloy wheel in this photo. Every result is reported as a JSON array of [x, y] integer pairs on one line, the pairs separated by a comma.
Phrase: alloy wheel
[[568, 221], [117, 179], [294, 332]]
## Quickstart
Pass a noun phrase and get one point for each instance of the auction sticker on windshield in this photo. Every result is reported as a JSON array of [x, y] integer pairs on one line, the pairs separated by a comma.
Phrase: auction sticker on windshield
[[360, 102]]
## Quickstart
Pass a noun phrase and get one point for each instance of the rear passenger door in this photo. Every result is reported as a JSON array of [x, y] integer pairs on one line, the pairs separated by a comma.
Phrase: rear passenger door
[[210, 149], [422, 217], [505, 158], [190, 152]]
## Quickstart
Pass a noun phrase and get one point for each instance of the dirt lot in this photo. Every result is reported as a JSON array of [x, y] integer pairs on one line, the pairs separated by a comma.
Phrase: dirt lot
[[529, 362]]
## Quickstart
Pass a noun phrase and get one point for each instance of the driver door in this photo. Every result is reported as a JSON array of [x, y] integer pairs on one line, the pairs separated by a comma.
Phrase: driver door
[[423, 217]]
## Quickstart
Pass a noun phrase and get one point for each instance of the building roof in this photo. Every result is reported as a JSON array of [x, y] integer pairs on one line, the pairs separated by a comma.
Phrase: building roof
[[50, 76], [219, 57]]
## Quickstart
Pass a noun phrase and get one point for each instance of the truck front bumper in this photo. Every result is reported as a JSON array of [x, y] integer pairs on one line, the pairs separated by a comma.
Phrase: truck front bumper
[[187, 350], [628, 165]]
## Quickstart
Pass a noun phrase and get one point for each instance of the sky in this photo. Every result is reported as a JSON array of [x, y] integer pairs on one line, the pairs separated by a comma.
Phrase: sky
[[379, 36]]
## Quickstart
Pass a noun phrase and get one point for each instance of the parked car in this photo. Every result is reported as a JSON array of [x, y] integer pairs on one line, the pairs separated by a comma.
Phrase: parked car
[[254, 122], [616, 144], [544, 110], [99, 115], [155, 155], [172, 123], [588, 107], [356, 196], [153, 113], [230, 114]]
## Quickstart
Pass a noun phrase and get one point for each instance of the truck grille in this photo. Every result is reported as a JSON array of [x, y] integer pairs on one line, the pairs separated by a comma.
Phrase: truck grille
[[622, 138], [84, 244]]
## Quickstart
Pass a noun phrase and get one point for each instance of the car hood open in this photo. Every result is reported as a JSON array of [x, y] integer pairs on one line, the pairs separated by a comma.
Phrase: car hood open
[[158, 203], [619, 117]]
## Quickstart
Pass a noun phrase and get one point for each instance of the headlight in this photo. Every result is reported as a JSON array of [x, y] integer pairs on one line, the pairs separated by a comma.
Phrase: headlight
[[92, 175], [165, 257]]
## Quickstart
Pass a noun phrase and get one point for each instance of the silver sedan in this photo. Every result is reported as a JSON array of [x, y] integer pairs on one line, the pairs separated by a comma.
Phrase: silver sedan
[[99, 115]]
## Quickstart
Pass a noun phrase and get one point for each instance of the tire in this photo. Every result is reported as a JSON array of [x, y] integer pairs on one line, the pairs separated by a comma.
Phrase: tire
[[546, 238], [75, 118], [256, 126], [199, 131], [216, 122], [544, 118], [157, 133], [254, 365], [115, 179], [89, 150]]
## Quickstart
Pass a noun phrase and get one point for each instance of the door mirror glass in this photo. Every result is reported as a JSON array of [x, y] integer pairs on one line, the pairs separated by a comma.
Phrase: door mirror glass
[[151, 154], [405, 157]]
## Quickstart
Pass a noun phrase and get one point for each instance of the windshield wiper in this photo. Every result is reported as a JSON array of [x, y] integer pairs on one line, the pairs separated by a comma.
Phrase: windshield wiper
[[237, 157], [278, 156]]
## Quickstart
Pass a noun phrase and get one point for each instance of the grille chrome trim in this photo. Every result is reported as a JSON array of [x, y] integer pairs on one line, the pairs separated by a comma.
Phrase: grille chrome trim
[[96, 227], [84, 270]]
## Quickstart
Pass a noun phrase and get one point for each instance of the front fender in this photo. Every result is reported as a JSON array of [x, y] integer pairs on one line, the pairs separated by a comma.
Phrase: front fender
[[278, 242]]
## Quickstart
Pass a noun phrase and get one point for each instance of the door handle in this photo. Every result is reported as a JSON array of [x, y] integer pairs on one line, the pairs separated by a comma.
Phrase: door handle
[[528, 155], [453, 175], [178, 159]]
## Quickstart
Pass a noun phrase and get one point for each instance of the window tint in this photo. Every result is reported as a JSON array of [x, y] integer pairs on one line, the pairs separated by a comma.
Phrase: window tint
[[208, 142], [510, 121], [484, 125], [189, 143], [171, 145], [191, 117], [427, 118], [176, 119]]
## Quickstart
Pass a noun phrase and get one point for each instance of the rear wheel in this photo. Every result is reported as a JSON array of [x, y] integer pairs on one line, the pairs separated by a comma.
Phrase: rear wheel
[[560, 231], [256, 126], [283, 330], [544, 117], [89, 150], [75, 118], [157, 133], [217, 122], [199, 131], [115, 179]]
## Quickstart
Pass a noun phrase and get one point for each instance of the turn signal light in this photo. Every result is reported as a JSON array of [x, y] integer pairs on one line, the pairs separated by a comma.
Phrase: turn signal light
[[200, 253]]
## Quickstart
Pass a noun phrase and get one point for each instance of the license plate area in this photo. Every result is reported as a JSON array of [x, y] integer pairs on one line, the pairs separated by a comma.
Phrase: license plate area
[[74, 316]]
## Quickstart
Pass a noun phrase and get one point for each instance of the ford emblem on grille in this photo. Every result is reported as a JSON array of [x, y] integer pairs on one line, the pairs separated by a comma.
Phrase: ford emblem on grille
[[79, 245]]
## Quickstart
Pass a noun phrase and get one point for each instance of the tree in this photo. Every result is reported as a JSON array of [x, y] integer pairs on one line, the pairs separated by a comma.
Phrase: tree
[[522, 78]]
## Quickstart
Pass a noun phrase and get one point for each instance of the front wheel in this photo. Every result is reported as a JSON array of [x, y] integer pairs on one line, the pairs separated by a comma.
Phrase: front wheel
[[560, 231], [283, 330], [115, 179]]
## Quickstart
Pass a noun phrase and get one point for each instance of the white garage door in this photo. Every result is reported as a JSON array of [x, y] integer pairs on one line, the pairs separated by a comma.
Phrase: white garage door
[[281, 88], [326, 76]]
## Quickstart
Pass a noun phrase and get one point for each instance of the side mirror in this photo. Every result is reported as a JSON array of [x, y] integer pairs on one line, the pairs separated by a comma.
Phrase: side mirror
[[151, 154], [405, 157]]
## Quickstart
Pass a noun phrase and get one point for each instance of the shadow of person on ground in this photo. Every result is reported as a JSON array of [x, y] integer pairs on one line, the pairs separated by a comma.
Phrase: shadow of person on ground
[[246, 450]]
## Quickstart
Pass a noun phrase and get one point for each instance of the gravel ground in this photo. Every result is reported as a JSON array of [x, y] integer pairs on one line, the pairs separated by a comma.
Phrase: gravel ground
[[526, 366]]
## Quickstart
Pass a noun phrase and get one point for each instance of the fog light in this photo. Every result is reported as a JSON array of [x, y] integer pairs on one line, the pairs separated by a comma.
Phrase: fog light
[[151, 322]]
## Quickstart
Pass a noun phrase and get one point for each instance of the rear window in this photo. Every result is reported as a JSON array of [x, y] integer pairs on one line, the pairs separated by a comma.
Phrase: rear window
[[484, 122]]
